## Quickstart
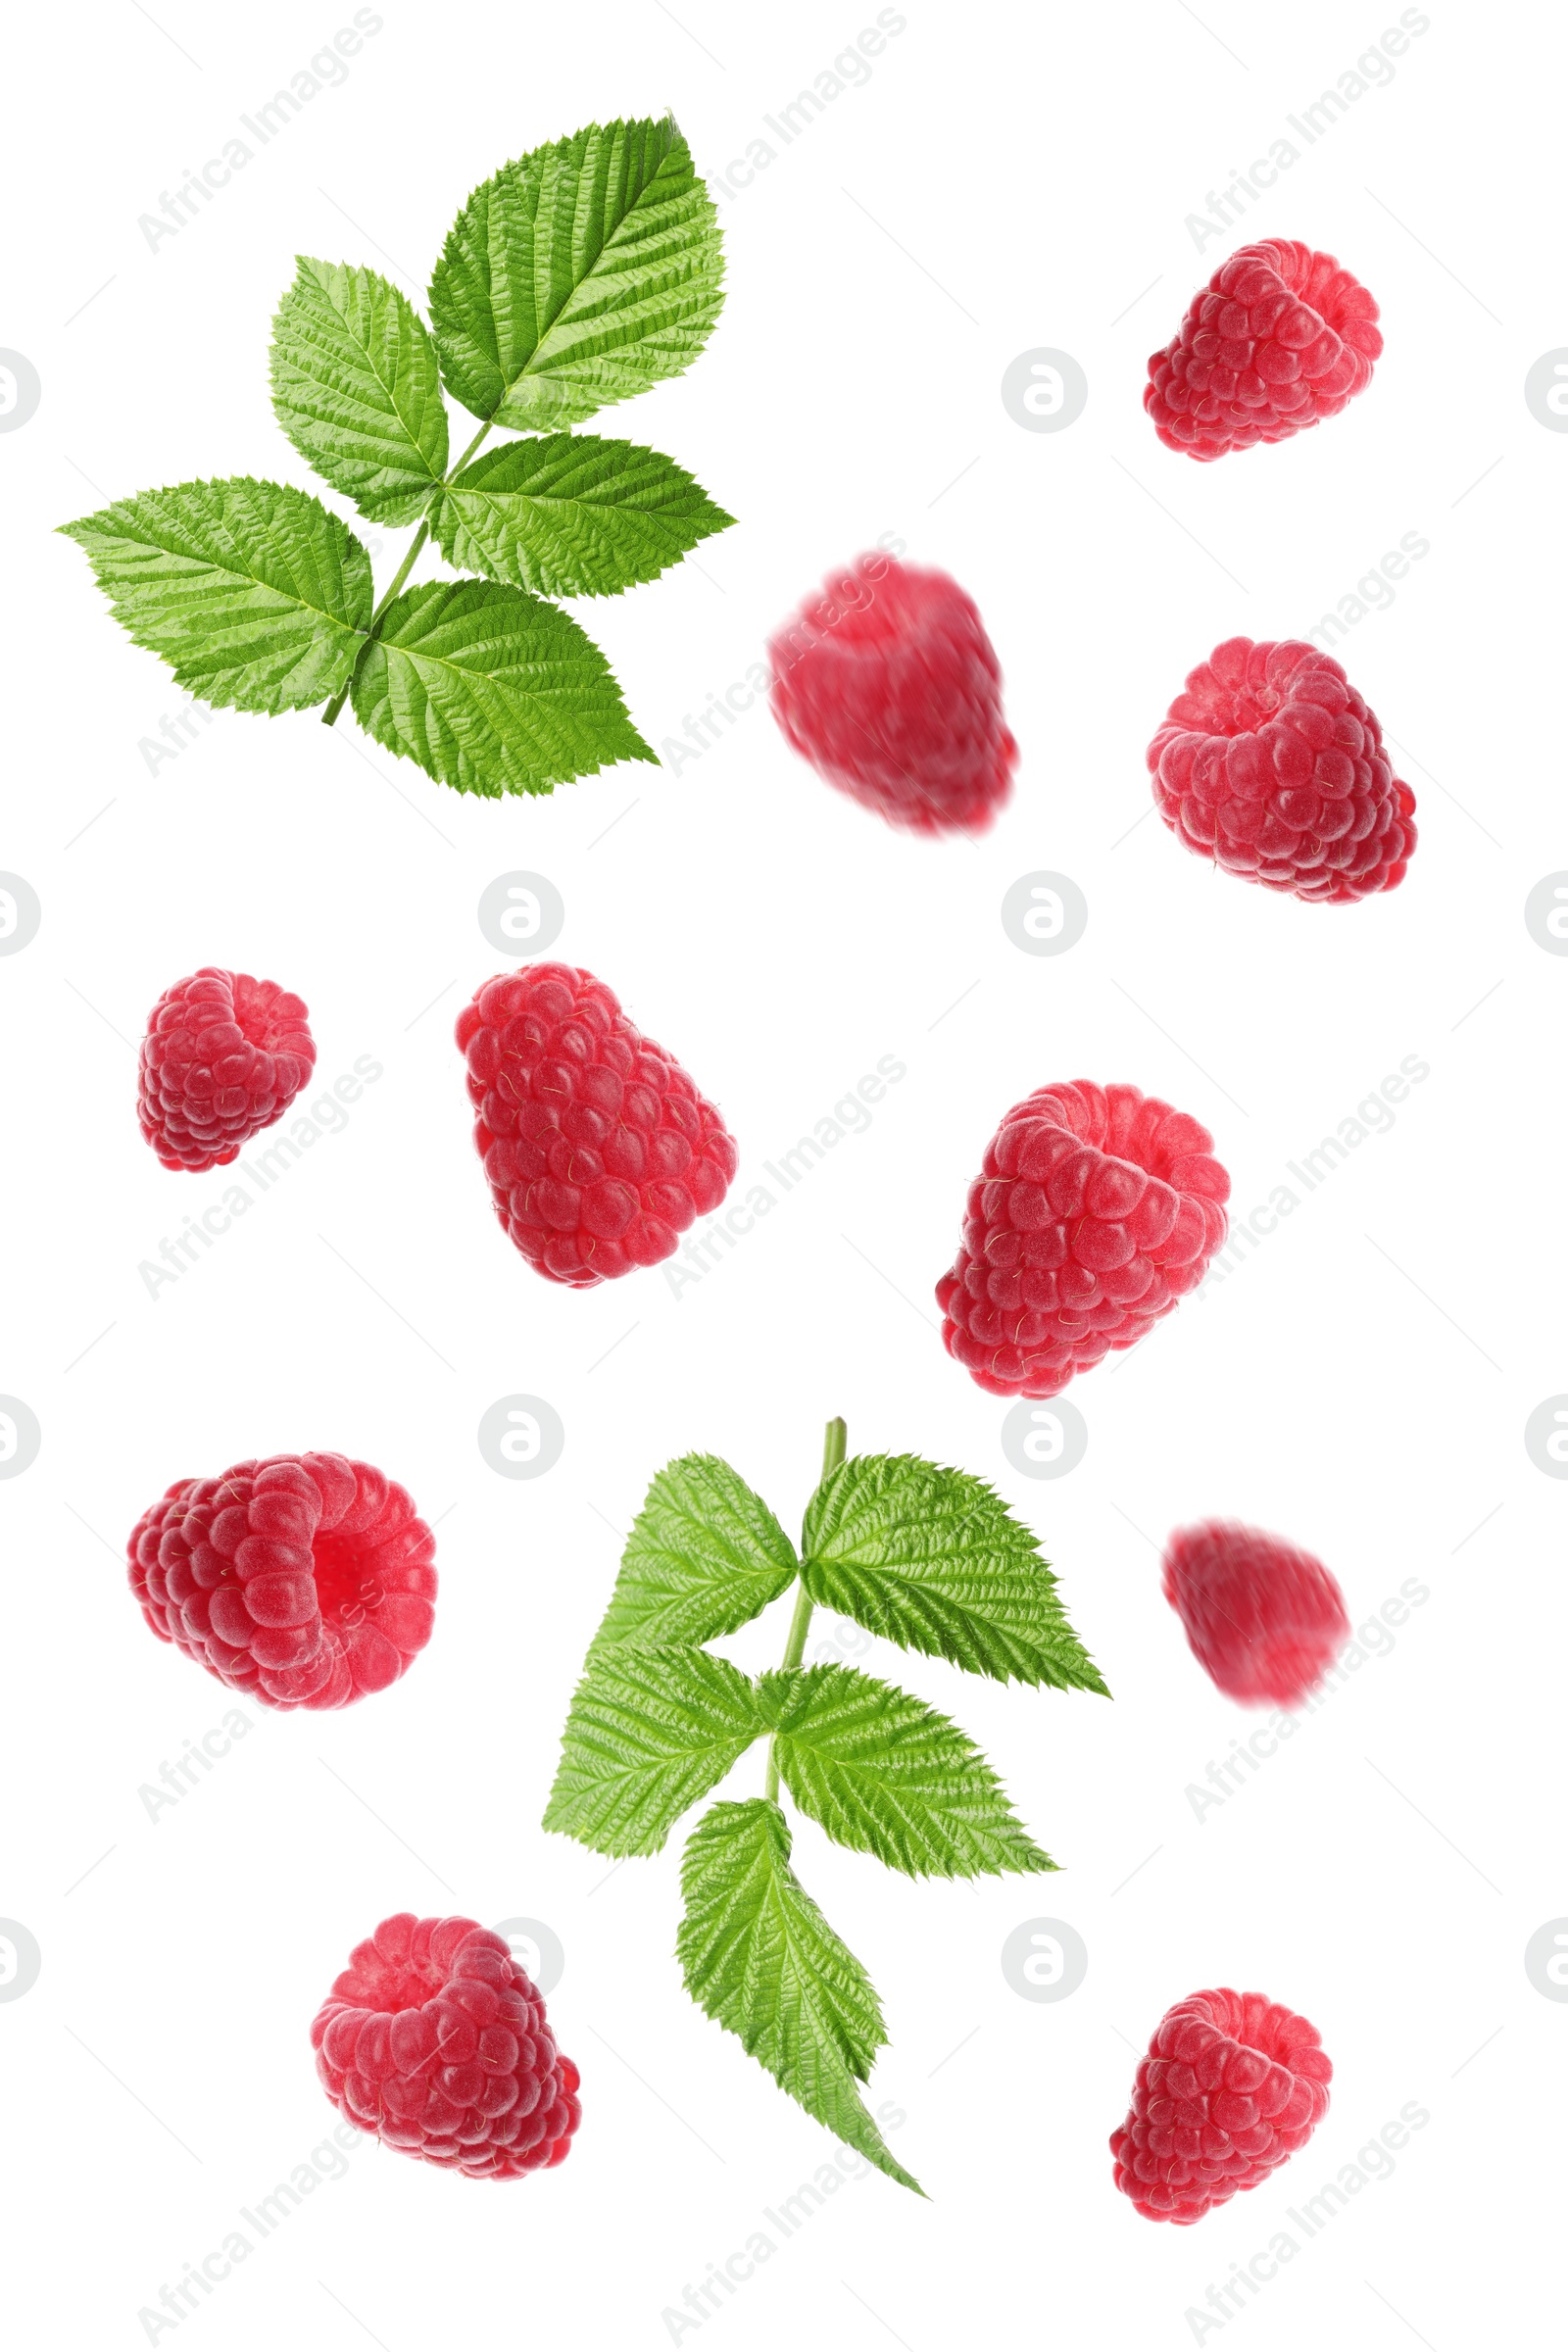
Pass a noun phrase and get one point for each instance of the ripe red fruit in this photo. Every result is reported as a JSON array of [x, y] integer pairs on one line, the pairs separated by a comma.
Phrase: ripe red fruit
[[435, 2039], [599, 1149], [304, 1580], [888, 684], [1271, 765], [223, 1057], [1263, 1620], [1096, 1209], [1232, 2086], [1280, 338]]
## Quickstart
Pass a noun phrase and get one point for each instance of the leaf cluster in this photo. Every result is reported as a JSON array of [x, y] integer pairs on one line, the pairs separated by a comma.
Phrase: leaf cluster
[[930, 1559], [579, 275]]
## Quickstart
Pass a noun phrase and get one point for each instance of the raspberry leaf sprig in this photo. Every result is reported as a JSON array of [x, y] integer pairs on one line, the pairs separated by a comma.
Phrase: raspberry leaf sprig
[[579, 275], [928, 1558]]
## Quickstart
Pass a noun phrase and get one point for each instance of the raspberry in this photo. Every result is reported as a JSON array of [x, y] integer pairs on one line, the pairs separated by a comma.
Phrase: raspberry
[[1279, 338], [1232, 2086], [599, 1149], [1097, 1207], [1270, 763], [305, 1579], [434, 2039], [1263, 1620], [223, 1057], [888, 684]]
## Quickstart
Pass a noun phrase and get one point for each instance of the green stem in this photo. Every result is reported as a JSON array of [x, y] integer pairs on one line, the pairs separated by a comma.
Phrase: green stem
[[469, 452], [833, 1450], [329, 716]]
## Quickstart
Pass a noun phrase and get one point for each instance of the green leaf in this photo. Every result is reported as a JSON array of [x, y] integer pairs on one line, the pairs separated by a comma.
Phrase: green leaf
[[759, 1958], [571, 514], [650, 1732], [705, 1556], [357, 387], [578, 275], [491, 690], [256, 597], [932, 1559], [887, 1775]]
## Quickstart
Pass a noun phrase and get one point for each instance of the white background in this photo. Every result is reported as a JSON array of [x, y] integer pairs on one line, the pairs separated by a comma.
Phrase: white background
[[1003, 179]]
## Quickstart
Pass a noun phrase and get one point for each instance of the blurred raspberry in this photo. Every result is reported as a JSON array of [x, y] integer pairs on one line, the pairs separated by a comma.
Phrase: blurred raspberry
[[1096, 1209], [1263, 1620], [1271, 765], [888, 684], [1279, 338], [1232, 2086], [305, 1579], [598, 1149], [435, 2039], [223, 1057]]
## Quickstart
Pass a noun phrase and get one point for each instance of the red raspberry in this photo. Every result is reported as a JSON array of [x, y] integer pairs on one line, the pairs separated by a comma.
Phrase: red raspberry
[[305, 1579], [599, 1149], [223, 1057], [1232, 2086], [1271, 765], [1097, 1207], [1279, 338], [435, 2039], [888, 684], [1263, 1620]]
